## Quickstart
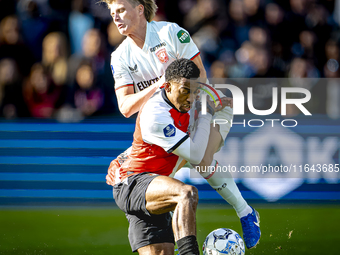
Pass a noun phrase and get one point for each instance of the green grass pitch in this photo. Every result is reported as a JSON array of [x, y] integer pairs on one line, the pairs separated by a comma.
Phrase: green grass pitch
[[286, 229]]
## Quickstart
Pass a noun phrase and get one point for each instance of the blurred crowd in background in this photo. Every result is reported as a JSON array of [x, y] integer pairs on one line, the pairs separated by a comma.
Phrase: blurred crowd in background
[[55, 54]]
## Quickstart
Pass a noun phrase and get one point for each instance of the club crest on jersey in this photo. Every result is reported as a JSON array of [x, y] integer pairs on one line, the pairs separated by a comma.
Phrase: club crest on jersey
[[162, 55], [133, 69], [169, 131]]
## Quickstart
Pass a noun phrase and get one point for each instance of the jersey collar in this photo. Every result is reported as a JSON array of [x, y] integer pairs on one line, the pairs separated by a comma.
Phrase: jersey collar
[[146, 41]]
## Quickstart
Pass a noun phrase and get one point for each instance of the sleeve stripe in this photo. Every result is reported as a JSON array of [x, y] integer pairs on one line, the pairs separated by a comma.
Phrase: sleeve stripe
[[178, 144], [127, 85], [195, 55]]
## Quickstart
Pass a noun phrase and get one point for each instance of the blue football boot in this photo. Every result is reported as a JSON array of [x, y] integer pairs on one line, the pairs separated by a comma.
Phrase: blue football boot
[[251, 229]]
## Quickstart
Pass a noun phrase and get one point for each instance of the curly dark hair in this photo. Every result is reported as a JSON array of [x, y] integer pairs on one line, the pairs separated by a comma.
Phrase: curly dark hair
[[181, 68]]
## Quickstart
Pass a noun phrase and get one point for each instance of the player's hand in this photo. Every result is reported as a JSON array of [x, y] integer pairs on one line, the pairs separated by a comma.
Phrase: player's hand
[[227, 101], [211, 107], [110, 177]]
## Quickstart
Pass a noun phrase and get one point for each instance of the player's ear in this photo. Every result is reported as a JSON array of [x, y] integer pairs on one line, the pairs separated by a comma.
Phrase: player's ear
[[140, 9], [167, 86]]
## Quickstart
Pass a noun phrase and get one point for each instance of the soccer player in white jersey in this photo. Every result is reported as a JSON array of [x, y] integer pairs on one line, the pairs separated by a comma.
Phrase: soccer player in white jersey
[[138, 65]]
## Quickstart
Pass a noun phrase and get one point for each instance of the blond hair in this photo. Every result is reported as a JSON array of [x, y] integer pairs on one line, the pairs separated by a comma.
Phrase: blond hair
[[150, 7]]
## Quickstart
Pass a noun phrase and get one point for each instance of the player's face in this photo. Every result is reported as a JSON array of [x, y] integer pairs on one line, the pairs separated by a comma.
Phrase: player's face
[[125, 16], [181, 94]]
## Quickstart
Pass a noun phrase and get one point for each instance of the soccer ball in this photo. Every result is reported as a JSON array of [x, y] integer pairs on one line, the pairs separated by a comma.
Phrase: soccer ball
[[223, 241]]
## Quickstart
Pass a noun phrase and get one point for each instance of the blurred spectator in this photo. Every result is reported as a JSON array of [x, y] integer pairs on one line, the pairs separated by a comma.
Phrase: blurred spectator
[[255, 14], [12, 46], [114, 37], [295, 20], [243, 68], [93, 50], [54, 57], [319, 22], [258, 37], [218, 70], [34, 25], [41, 95], [302, 68], [260, 63], [202, 13], [255, 62], [274, 21], [11, 101], [237, 28], [86, 96], [305, 46], [277, 30], [331, 67], [332, 50], [59, 11], [80, 21]]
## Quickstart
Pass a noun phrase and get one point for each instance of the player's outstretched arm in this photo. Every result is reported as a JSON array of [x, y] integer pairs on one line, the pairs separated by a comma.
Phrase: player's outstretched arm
[[130, 102], [193, 149], [198, 61]]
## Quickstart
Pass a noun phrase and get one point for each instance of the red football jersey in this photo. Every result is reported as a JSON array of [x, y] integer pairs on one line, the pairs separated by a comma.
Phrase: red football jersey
[[160, 129]]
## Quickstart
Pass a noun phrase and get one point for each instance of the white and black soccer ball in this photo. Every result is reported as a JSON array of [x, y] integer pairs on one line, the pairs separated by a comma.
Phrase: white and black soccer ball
[[223, 241]]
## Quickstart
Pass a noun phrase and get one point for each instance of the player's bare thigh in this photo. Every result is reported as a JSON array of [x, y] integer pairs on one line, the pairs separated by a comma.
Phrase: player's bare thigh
[[163, 194], [157, 249]]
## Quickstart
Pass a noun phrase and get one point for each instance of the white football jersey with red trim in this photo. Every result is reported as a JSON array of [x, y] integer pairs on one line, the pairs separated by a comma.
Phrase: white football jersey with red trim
[[164, 43]]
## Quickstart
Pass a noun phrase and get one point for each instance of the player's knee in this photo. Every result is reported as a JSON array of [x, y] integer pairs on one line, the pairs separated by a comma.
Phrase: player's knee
[[189, 194]]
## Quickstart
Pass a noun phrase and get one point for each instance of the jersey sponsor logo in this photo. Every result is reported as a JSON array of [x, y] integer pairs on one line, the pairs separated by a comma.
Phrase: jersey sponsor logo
[[162, 55], [183, 36], [169, 131], [144, 84], [157, 46], [133, 69]]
